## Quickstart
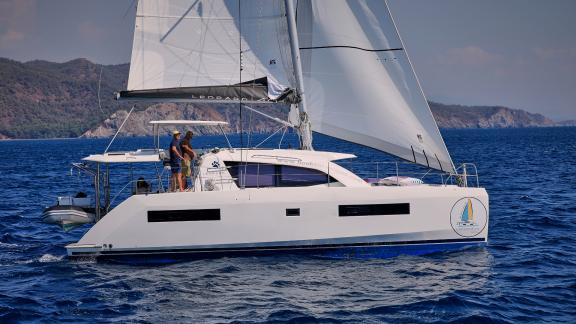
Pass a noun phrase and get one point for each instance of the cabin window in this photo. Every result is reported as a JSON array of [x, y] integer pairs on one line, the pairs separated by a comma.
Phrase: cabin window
[[253, 175], [291, 176], [260, 175], [186, 215], [374, 210], [292, 211]]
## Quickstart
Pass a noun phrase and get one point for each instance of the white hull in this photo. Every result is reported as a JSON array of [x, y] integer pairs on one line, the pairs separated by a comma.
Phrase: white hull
[[256, 219]]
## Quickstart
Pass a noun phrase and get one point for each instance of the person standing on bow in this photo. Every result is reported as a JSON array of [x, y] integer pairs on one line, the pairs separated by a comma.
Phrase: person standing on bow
[[189, 155], [175, 163]]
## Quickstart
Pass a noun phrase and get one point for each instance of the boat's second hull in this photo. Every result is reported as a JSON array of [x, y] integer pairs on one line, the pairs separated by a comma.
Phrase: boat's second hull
[[347, 251], [331, 222]]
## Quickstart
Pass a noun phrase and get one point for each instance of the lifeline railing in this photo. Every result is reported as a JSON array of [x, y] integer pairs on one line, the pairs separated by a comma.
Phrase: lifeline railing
[[466, 175], [259, 175], [379, 170]]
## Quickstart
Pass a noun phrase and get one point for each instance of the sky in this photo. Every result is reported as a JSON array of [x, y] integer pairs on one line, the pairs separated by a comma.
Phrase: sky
[[515, 53]]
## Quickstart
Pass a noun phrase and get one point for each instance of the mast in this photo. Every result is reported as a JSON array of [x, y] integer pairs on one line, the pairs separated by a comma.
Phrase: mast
[[304, 128]]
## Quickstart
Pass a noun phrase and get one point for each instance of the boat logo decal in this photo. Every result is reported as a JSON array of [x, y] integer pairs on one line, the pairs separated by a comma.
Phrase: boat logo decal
[[468, 217], [215, 164]]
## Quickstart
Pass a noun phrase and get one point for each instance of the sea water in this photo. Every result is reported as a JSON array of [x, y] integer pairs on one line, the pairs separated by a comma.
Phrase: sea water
[[527, 272]]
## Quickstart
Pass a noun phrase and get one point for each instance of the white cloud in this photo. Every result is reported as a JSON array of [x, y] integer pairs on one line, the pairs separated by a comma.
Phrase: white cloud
[[470, 55], [16, 20], [90, 31], [555, 53]]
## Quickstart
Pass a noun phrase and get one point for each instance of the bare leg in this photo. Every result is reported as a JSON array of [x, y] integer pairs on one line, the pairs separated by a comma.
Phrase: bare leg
[[172, 182], [180, 181], [184, 181]]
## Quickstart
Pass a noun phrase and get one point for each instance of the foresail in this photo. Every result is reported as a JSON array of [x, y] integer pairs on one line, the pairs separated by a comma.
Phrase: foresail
[[359, 84], [211, 50]]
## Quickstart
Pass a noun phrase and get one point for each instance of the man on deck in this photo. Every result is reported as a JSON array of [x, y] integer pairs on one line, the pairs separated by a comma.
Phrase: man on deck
[[175, 163], [189, 155]]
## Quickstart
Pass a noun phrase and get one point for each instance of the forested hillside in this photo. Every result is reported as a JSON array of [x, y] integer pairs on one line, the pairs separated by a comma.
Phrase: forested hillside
[[40, 99]]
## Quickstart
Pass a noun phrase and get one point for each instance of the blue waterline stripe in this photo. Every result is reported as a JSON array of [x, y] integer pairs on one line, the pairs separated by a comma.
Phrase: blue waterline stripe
[[278, 248]]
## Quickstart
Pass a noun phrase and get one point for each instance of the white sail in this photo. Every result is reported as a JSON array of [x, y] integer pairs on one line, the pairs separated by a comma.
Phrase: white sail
[[359, 84], [196, 44]]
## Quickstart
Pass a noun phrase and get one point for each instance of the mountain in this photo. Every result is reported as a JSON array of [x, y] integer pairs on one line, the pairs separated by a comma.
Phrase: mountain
[[456, 116], [566, 123], [138, 123], [40, 99]]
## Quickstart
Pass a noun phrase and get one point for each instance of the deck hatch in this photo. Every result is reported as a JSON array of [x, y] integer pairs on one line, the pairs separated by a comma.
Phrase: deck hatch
[[292, 211], [374, 209], [186, 215]]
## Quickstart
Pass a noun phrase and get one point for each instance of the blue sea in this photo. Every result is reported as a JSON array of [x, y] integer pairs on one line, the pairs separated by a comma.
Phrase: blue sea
[[527, 272]]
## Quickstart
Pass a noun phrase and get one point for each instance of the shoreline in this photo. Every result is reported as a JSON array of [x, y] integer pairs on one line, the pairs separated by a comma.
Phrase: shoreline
[[143, 136]]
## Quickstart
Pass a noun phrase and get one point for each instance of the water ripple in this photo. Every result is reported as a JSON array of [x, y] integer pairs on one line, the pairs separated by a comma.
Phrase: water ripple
[[526, 273]]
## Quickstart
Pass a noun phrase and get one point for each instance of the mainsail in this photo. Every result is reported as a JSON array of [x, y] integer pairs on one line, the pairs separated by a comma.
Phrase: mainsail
[[211, 50], [359, 83]]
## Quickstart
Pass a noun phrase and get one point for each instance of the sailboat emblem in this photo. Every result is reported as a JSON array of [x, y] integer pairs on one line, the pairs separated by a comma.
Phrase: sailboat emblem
[[467, 213], [468, 217]]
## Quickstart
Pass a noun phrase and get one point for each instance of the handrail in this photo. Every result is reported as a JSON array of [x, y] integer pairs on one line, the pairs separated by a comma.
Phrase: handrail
[[461, 175], [131, 182], [462, 178]]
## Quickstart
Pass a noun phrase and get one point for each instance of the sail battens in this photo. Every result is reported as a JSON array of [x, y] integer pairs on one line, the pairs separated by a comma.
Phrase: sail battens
[[406, 153], [353, 47], [439, 163]]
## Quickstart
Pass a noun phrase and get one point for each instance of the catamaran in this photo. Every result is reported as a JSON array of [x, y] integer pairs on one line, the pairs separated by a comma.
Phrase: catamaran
[[343, 70]]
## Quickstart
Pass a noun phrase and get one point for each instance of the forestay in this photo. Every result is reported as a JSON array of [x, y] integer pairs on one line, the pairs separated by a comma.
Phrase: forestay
[[359, 84], [211, 50]]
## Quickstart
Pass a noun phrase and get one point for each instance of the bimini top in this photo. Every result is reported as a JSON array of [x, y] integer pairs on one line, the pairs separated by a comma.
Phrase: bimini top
[[188, 122], [138, 156]]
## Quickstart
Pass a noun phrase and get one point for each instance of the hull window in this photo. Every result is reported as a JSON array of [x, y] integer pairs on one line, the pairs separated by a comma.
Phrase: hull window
[[374, 210], [292, 211], [188, 215]]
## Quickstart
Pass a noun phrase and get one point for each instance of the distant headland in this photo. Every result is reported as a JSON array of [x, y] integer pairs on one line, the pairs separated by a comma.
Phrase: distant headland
[[40, 99]]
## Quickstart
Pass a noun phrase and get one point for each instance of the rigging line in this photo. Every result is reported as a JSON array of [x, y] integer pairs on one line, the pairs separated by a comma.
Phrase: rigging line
[[178, 22], [282, 138], [128, 9], [285, 123], [240, 76], [99, 83], [354, 47], [271, 135], [250, 129], [119, 128]]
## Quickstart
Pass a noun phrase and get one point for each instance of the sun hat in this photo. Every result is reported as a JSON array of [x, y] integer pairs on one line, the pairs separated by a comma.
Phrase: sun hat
[[175, 132]]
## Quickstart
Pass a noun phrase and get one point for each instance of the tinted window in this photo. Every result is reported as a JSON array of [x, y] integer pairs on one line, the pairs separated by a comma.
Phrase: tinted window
[[253, 175], [291, 176], [156, 216], [376, 209], [259, 175]]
